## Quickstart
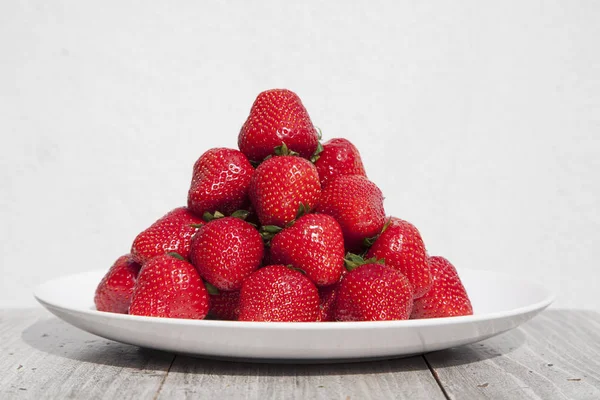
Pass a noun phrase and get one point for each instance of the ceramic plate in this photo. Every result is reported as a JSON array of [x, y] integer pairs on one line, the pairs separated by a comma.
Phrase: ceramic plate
[[500, 303]]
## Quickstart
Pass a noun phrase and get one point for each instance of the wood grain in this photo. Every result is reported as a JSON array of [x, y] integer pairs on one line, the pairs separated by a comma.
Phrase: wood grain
[[45, 358], [407, 378], [554, 356]]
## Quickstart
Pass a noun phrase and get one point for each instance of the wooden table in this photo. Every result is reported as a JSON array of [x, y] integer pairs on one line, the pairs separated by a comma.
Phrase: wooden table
[[554, 356]]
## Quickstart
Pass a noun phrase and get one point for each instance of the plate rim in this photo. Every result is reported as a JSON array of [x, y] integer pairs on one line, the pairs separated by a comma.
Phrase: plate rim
[[540, 305]]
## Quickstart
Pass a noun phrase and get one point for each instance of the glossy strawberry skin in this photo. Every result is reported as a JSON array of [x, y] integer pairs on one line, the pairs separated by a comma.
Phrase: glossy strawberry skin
[[278, 187], [220, 182], [276, 117], [314, 244], [226, 251], [114, 291], [373, 292], [171, 233], [225, 305], [357, 204], [170, 288], [447, 296], [339, 157], [327, 295], [276, 293], [402, 248]]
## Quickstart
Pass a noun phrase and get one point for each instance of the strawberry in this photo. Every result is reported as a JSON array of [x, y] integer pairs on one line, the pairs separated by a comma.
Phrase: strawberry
[[225, 305], [314, 244], [373, 292], [277, 117], [226, 251], [338, 157], [447, 296], [169, 287], [279, 294], [171, 233], [220, 182], [401, 246], [357, 204], [113, 294], [280, 186], [327, 295]]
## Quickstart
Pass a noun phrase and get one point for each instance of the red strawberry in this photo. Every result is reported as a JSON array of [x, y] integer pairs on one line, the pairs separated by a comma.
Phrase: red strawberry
[[327, 294], [357, 204], [113, 294], [225, 305], [171, 233], [373, 292], [280, 185], [226, 251], [277, 116], [220, 182], [447, 296], [280, 294], [169, 287], [339, 157], [402, 248], [314, 244]]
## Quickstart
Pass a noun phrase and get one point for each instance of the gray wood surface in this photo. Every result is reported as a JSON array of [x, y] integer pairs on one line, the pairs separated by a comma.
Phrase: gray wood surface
[[407, 378], [45, 358], [554, 356]]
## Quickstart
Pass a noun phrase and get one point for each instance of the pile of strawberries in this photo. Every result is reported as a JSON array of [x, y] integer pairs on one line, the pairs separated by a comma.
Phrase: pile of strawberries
[[283, 229]]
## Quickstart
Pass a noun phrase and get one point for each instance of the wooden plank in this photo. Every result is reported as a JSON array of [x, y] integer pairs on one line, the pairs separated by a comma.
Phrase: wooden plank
[[407, 378], [554, 356], [43, 357]]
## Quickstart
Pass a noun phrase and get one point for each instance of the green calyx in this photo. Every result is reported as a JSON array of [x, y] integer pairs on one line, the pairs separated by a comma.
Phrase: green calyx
[[177, 256], [210, 288], [283, 150], [368, 242], [207, 216], [241, 214], [254, 163], [274, 229], [303, 209], [268, 232], [319, 150], [353, 261], [290, 266], [317, 153]]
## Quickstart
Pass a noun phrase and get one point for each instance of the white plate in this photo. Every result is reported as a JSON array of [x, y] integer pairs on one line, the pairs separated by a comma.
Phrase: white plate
[[500, 303]]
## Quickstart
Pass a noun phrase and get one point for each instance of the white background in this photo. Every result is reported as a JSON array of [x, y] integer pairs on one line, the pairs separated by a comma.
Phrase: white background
[[480, 121]]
